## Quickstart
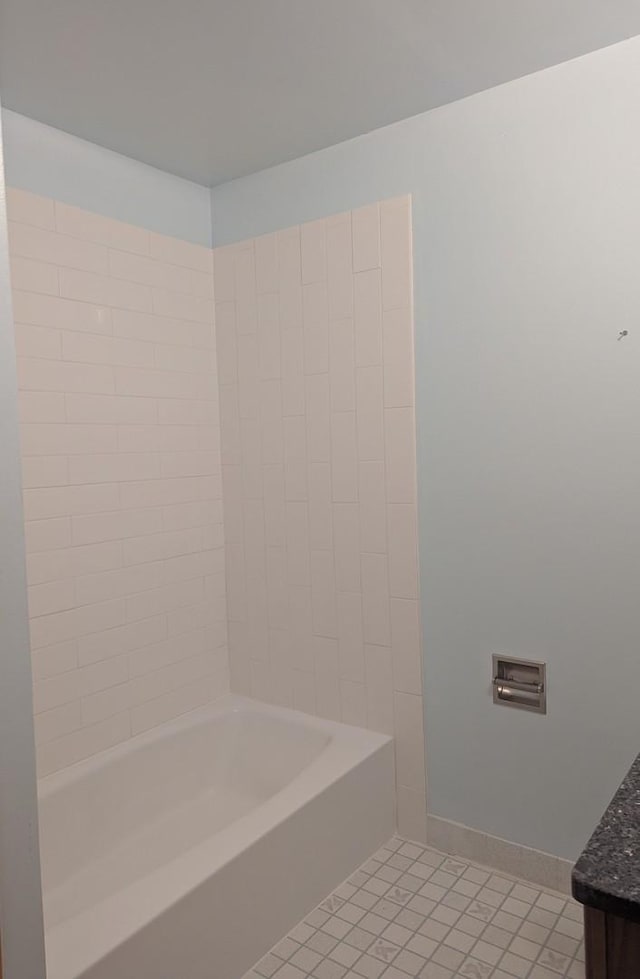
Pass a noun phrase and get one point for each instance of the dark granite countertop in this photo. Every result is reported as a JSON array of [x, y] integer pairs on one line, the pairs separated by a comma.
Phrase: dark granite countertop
[[607, 874]]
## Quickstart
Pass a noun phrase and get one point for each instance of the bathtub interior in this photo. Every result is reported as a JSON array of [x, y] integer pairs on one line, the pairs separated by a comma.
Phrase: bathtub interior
[[114, 820]]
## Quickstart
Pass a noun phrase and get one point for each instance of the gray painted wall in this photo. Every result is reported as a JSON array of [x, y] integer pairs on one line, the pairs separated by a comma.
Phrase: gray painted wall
[[52, 163], [527, 235], [20, 896]]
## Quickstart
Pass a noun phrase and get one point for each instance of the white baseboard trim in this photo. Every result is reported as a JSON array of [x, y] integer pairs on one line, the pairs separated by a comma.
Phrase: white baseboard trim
[[511, 858]]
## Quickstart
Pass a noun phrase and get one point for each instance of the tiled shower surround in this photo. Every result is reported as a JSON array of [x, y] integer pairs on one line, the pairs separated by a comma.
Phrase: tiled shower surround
[[121, 473], [415, 912], [125, 408], [315, 356]]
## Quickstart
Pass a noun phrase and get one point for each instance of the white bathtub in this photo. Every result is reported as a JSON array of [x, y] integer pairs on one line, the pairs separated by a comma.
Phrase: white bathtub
[[189, 851]]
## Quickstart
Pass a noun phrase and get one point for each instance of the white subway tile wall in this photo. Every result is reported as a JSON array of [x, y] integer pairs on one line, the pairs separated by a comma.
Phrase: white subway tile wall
[[121, 473], [134, 576], [316, 371]]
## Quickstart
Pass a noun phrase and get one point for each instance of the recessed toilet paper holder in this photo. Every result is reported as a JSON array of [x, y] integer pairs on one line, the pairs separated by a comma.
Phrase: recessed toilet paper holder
[[520, 683]]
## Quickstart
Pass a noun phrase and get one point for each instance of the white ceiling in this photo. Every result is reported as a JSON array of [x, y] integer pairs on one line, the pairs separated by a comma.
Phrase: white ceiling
[[214, 89]]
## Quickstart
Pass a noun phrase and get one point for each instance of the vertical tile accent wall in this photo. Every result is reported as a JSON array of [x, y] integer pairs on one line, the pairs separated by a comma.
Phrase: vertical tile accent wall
[[121, 474], [314, 330]]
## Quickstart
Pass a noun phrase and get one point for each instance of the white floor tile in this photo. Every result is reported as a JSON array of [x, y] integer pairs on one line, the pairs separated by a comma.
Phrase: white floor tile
[[411, 911]]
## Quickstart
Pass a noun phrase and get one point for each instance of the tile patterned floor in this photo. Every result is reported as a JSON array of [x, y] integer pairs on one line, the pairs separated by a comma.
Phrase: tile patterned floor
[[412, 911]]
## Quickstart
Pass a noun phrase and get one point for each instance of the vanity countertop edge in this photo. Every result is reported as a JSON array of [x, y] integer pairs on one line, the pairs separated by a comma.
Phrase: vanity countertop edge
[[607, 873]]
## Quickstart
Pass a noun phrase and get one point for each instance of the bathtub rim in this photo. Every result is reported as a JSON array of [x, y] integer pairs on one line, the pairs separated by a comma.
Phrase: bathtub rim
[[227, 703]]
